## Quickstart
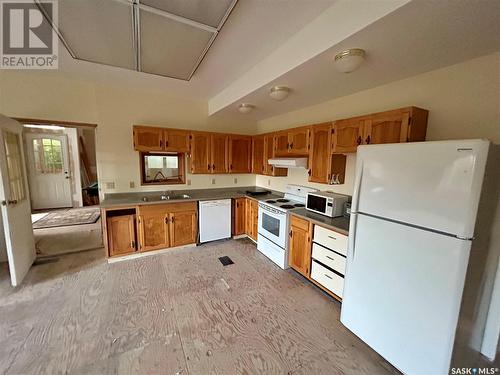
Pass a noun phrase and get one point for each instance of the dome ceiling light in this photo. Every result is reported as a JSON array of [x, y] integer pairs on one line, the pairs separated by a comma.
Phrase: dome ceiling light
[[279, 92], [349, 60], [245, 108]]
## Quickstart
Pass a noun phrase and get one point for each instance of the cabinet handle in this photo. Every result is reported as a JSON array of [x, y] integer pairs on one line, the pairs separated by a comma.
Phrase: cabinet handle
[[287, 146], [291, 233], [367, 140], [208, 166], [166, 143], [330, 258], [333, 238], [309, 172], [331, 278], [230, 167], [132, 244], [166, 220], [359, 140], [172, 220], [161, 143], [291, 145], [213, 167]]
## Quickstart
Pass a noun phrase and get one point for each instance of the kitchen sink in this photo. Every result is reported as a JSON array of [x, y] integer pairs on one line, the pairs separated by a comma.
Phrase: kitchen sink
[[165, 197]]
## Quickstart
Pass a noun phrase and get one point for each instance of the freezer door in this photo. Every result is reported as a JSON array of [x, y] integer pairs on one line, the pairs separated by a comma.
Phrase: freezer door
[[402, 292], [434, 185]]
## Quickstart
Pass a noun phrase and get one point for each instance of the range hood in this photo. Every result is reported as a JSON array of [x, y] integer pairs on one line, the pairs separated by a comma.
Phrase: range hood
[[288, 162]]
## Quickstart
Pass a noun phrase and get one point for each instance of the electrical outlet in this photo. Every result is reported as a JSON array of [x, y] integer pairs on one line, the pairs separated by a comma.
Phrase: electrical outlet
[[235, 180], [189, 182], [110, 185], [132, 184], [213, 181], [268, 182]]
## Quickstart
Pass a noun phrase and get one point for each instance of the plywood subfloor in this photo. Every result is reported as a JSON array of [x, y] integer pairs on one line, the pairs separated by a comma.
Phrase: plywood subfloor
[[177, 313]]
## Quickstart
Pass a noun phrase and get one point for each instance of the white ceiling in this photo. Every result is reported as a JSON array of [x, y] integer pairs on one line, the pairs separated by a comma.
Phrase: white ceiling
[[418, 37], [252, 31]]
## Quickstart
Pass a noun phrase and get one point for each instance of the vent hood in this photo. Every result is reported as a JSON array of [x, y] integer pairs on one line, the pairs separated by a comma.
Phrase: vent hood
[[288, 162]]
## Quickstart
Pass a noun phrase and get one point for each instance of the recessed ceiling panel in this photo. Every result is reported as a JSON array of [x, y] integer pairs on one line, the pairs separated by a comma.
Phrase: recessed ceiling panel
[[98, 31], [208, 12], [170, 48]]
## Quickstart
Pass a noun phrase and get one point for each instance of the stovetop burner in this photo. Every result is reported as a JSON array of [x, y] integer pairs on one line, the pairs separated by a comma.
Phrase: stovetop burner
[[281, 200], [299, 205], [270, 201], [287, 206]]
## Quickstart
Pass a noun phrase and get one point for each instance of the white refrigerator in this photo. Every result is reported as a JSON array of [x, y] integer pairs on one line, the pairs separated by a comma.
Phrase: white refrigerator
[[412, 221]]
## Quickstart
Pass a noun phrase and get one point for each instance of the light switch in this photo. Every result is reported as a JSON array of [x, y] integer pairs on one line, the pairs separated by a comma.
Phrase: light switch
[[189, 182], [110, 185], [213, 181], [235, 180], [132, 184]]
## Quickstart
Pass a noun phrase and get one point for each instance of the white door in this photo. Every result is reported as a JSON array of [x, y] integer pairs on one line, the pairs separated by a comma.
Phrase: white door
[[15, 203], [49, 170], [434, 185], [402, 292]]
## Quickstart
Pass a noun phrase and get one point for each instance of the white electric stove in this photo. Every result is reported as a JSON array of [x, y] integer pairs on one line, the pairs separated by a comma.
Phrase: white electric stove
[[272, 240]]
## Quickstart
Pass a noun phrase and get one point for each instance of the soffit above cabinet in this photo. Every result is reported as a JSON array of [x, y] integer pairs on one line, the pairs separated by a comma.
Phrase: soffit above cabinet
[[163, 37]]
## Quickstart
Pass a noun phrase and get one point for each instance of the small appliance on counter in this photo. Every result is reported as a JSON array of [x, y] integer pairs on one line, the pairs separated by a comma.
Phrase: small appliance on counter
[[257, 192], [326, 203]]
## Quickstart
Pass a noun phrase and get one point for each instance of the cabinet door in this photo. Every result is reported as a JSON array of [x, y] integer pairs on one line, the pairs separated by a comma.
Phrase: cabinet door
[[153, 231], [218, 150], [258, 155], [299, 141], [347, 135], [248, 218], [387, 127], [319, 158], [270, 170], [121, 235], [240, 154], [176, 140], [199, 160], [281, 144], [183, 228], [255, 219], [239, 219], [299, 257], [148, 138]]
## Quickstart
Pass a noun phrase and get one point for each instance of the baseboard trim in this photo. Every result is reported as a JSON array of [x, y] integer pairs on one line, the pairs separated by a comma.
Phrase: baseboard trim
[[147, 253]]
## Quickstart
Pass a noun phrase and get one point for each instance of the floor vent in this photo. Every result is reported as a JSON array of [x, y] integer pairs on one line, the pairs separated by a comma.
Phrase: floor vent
[[45, 260], [226, 261]]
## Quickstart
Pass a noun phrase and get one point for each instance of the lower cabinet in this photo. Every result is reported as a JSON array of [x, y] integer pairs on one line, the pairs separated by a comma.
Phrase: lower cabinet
[[121, 234], [299, 256], [183, 227], [239, 216], [251, 218]]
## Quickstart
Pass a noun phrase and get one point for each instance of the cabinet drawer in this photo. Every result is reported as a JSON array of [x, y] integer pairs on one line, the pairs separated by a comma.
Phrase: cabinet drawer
[[329, 279], [329, 258], [330, 239]]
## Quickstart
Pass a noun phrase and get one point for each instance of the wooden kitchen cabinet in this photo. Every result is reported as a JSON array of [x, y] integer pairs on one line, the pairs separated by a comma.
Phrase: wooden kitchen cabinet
[[281, 144], [294, 142], [148, 138], [183, 228], [219, 153], [240, 154], [176, 140], [239, 216], [299, 257], [258, 161], [269, 149], [166, 225], [121, 234], [347, 134], [251, 218], [320, 162], [200, 158]]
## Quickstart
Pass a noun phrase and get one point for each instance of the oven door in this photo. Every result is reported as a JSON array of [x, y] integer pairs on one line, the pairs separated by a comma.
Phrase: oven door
[[272, 224]]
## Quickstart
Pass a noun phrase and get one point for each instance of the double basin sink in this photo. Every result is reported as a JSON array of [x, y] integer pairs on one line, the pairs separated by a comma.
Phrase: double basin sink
[[165, 197]]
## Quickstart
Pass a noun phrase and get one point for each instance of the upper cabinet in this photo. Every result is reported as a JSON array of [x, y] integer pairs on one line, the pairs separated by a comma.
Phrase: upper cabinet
[[148, 138], [269, 153], [319, 157], [200, 158], [258, 161], [294, 142], [219, 153], [176, 140], [400, 125], [240, 154]]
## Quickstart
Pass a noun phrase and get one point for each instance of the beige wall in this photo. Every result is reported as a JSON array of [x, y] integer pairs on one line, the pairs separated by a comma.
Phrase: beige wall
[[42, 95], [463, 102]]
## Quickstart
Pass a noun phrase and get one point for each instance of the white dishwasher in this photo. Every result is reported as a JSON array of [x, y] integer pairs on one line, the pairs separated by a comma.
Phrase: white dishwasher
[[215, 220]]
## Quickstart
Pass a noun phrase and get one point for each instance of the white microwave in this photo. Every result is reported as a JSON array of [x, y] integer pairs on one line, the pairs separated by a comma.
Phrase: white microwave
[[326, 203]]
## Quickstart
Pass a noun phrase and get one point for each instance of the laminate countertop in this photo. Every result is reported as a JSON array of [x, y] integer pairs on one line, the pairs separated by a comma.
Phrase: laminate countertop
[[195, 195], [339, 224]]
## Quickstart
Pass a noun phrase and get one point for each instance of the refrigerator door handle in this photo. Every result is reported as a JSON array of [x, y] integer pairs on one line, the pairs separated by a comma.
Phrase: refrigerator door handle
[[357, 186], [351, 243]]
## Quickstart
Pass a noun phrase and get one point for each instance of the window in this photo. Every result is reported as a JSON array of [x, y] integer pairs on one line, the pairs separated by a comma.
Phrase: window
[[48, 155], [162, 169], [14, 166]]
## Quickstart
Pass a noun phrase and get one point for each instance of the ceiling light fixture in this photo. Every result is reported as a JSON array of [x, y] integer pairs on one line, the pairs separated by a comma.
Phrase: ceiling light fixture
[[349, 60], [279, 92], [245, 107]]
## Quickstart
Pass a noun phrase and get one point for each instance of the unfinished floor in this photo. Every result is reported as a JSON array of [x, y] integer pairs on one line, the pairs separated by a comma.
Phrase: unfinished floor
[[181, 312]]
